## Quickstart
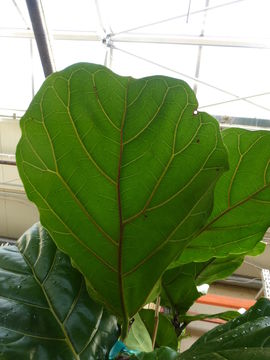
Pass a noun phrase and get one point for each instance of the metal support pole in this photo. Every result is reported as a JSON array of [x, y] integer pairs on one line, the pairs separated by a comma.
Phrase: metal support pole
[[7, 159], [198, 65], [41, 35], [6, 162]]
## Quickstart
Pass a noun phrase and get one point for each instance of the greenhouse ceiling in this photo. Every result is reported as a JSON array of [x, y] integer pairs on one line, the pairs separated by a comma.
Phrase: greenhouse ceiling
[[220, 47]]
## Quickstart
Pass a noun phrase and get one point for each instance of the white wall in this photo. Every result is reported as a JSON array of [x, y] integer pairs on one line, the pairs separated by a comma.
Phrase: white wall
[[17, 214]]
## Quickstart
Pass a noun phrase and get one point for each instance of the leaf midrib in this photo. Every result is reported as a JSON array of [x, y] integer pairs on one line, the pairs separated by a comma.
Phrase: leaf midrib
[[121, 224]]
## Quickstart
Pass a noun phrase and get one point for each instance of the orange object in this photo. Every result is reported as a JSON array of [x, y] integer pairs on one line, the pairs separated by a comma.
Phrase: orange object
[[225, 301]]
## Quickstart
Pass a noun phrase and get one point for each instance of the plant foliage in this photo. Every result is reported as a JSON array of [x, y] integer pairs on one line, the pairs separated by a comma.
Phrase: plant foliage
[[122, 172], [45, 310], [241, 212], [246, 336], [147, 198], [179, 284]]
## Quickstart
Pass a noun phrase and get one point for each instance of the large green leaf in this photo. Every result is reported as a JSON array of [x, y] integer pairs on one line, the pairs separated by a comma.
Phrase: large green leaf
[[241, 212], [45, 310], [246, 337], [179, 284], [122, 172]]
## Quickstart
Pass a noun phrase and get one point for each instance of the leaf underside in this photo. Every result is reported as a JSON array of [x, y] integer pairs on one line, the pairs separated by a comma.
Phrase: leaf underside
[[122, 172], [45, 310], [241, 213]]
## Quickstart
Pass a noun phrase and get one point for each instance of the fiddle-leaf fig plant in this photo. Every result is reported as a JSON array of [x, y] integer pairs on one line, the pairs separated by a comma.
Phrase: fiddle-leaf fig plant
[[122, 171], [144, 195]]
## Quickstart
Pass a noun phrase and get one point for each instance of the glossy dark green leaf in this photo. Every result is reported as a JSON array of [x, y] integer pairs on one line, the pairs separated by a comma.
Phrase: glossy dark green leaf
[[122, 172], [246, 337], [241, 213], [45, 310], [179, 284], [166, 335], [242, 353]]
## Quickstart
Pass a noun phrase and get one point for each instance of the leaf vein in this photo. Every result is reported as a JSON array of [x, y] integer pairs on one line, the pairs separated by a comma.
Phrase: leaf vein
[[70, 231], [31, 335]]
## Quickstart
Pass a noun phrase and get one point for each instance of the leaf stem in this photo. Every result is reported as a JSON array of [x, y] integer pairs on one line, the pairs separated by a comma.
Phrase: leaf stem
[[154, 336], [178, 327], [124, 329]]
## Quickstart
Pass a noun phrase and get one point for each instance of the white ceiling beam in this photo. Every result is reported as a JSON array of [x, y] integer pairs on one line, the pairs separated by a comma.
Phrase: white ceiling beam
[[57, 35], [145, 38], [192, 40]]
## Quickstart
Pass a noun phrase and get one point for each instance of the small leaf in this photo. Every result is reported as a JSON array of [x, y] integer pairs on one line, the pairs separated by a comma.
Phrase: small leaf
[[246, 337], [138, 336], [45, 310], [258, 249], [166, 335], [241, 213], [179, 289], [179, 284]]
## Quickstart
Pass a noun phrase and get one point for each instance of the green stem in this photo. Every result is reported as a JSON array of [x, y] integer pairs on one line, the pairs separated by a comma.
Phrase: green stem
[[154, 336], [124, 330]]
